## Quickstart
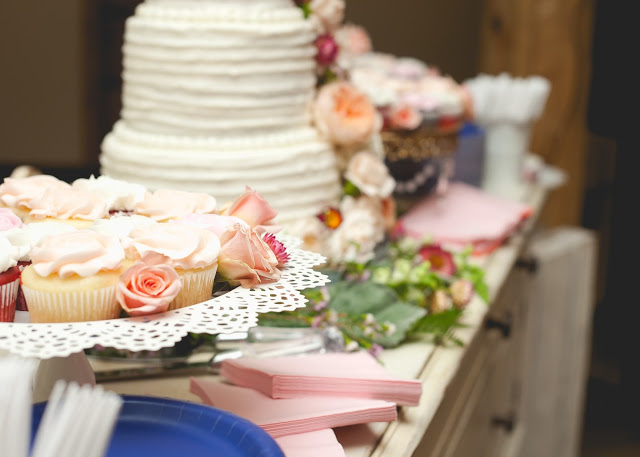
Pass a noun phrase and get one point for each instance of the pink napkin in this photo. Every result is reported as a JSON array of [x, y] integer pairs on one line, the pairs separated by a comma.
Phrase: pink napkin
[[292, 416], [322, 443], [351, 374], [465, 215]]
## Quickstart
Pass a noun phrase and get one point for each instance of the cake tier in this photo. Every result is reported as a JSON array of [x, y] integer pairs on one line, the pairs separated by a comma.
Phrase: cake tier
[[294, 170], [217, 68]]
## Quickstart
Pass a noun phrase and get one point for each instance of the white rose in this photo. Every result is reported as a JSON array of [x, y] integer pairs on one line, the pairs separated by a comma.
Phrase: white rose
[[327, 14], [370, 175], [312, 232], [357, 237]]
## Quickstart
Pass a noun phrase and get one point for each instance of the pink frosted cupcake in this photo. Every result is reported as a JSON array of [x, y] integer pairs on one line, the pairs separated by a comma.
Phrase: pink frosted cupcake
[[70, 206], [167, 204], [192, 251], [73, 277], [9, 281], [17, 193]]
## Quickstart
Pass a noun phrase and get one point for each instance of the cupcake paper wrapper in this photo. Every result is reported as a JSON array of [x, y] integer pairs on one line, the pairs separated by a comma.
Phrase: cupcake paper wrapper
[[197, 287], [80, 306], [8, 296]]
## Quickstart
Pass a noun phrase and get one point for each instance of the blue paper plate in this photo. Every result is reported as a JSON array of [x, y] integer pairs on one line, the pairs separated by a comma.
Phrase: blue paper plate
[[162, 427]]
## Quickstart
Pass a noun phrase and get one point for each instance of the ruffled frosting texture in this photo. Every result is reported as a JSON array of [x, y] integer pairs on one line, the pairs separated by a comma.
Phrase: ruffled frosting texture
[[167, 204], [120, 195], [15, 192], [69, 203], [187, 246], [80, 252]]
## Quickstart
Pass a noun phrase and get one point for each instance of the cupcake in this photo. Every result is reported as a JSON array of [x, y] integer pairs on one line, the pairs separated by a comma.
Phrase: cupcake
[[193, 252], [121, 196], [24, 239], [17, 193], [9, 220], [69, 206], [73, 277], [166, 204], [9, 281]]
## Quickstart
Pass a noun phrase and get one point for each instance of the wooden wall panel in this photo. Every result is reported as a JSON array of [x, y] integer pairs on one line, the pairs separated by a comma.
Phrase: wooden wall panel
[[550, 38]]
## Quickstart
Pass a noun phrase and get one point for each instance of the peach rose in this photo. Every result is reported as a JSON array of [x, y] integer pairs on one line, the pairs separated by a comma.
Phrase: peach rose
[[252, 208], [246, 259], [404, 117], [370, 175], [148, 286], [344, 114], [9, 220], [327, 14]]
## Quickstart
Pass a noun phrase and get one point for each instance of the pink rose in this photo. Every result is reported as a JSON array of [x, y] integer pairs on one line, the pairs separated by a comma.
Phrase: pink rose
[[252, 208], [9, 220], [354, 39], [327, 49], [148, 286], [404, 117], [246, 259], [344, 114]]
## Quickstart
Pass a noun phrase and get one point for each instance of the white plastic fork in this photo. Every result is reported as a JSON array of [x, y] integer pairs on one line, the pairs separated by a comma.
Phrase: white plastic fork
[[77, 421]]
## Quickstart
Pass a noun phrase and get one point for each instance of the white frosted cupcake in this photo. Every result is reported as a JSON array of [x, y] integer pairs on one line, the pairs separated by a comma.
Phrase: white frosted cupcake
[[121, 226], [193, 252], [69, 206], [121, 196], [17, 193], [167, 204], [73, 277], [9, 281]]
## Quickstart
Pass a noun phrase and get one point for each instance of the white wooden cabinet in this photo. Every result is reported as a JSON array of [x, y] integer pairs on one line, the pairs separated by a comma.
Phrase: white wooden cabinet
[[520, 388]]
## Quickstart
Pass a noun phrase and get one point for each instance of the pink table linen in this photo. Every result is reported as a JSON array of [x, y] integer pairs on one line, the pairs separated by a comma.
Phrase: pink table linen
[[465, 215]]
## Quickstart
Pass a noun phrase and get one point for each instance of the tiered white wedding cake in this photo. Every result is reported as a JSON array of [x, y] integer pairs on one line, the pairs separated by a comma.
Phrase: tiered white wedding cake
[[216, 96]]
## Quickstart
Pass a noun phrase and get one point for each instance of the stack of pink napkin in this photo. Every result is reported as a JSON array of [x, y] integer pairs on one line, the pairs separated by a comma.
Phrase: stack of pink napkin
[[465, 215], [299, 399], [353, 374], [294, 415]]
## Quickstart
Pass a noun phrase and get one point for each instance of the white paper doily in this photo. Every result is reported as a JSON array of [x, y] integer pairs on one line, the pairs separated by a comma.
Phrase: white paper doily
[[234, 311]]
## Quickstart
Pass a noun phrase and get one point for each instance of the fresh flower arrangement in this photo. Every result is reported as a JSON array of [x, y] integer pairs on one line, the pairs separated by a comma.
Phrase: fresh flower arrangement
[[412, 289]]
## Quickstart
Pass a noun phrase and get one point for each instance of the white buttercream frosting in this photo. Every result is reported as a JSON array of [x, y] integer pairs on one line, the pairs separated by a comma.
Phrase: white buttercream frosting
[[217, 96], [121, 226], [295, 171], [80, 252], [8, 255], [120, 195], [25, 238]]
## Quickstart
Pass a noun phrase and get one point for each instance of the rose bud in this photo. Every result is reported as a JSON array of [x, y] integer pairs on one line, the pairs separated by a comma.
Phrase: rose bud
[[327, 49]]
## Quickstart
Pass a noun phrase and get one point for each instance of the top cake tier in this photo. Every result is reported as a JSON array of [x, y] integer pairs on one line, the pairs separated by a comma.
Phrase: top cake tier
[[217, 67]]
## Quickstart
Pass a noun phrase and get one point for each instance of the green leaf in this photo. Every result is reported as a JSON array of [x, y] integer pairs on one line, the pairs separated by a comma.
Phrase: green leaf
[[356, 298], [403, 316]]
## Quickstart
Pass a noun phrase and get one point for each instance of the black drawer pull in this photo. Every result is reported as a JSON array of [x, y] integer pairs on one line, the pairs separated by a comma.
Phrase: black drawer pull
[[507, 423], [502, 326], [530, 264]]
